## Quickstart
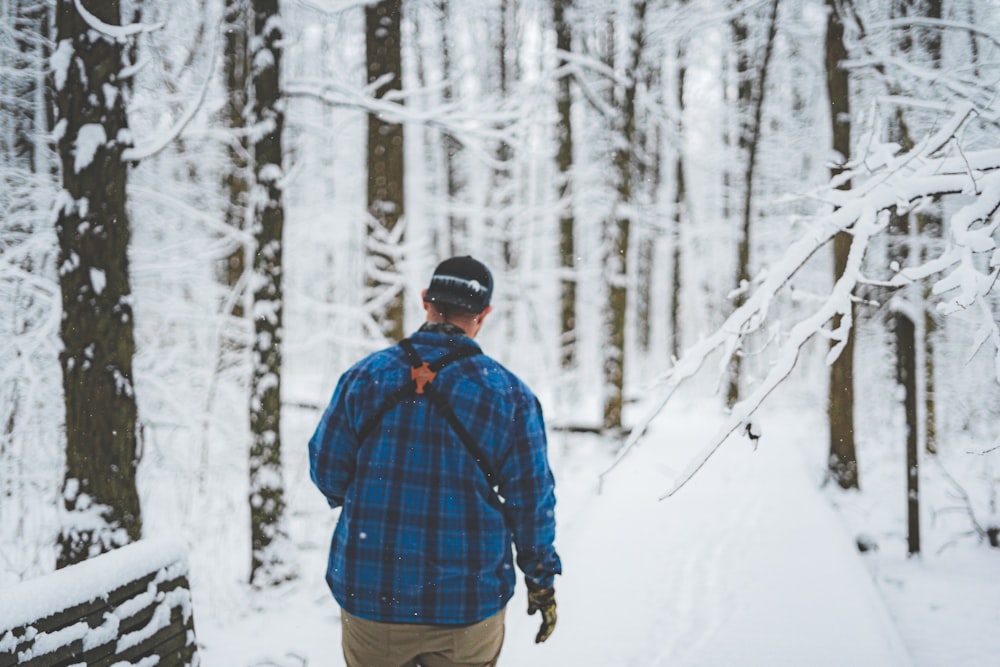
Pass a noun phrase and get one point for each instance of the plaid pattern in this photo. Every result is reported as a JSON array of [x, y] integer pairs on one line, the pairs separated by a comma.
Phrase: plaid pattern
[[421, 537]]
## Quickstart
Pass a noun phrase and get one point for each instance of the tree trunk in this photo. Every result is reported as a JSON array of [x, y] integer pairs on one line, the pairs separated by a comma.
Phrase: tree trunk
[[564, 163], [92, 226], [906, 370], [267, 504], [455, 182], [236, 176], [751, 104], [842, 462], [502, 196], [648, 176], [680, 209], [385, 168], [909, 302], [929, 228], [616, 264], [744, 101], [906, 304], [23, 93]]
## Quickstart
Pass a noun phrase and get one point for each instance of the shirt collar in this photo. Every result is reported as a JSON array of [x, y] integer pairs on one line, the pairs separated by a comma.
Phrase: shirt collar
[[446, 328], [443, 334]]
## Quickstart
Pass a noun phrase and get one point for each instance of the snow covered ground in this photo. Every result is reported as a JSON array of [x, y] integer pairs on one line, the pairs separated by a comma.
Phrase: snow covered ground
[[748, 565]]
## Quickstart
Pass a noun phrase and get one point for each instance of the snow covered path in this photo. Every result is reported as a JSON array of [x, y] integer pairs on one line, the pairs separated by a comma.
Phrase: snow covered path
[[748, 565]]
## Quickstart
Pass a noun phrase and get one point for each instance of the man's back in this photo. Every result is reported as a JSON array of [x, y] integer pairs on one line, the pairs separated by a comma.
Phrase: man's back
[[422, 537]]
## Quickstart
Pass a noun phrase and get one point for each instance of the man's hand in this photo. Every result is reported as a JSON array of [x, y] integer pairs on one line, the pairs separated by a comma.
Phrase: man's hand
[[544, 600]]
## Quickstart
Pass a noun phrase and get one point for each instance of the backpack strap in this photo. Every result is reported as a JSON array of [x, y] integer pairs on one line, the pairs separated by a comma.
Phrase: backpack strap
[[422, 374], [463, 434]]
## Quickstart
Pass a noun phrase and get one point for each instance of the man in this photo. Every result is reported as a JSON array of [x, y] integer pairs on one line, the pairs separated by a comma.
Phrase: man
[[437, 456]]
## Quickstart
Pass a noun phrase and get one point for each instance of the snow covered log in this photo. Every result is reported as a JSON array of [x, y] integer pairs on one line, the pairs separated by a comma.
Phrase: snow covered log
[[131, 606]]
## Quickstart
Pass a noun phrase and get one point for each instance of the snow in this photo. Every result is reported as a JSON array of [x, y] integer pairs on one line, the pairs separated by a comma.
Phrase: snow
[[708, 576], [748, 565], [270, 173], [118, 32], [263, 59], [47, 642], [922, 593], [89, 580], [178, 597], [60, 61], [105, 632], [98, 280], [264, 309], [90, 138], [148, 661]]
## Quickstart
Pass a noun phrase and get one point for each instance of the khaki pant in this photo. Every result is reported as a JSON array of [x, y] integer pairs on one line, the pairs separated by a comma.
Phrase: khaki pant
[[373, 644]]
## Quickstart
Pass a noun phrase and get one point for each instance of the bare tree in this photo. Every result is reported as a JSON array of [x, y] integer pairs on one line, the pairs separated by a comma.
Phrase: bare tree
[[454, 179], [30, 377], [649, 174], [909, 316], [269, 564], [385, 167], [23, 92], [102, 437], [680, 201], [564, 163], [929, 229], [751, 87], [236, 176], [618, 229], [842, 463]]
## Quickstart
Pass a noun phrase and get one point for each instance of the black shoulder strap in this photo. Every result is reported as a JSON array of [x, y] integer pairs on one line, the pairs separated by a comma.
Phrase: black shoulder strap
[[422, 374], [463, 434]]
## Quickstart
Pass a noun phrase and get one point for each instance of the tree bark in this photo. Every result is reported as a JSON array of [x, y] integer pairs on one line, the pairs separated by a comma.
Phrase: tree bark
[[616, 263], [564, 163], [23, 93], [455, 183], [929, 228], [236, 176], [680, 208], [908, 304], [649, 162], [385, 168], [906, 369], [267, 504], [842, 462], [92, 225], [750, 98]]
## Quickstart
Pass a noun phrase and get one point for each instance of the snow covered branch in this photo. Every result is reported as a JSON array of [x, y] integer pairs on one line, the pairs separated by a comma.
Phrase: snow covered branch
[[897, 182], [155, 146], [114, 31], [462, 124], [939, 24]]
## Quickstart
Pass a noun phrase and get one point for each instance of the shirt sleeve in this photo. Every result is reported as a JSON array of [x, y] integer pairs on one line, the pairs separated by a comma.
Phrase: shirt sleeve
[[528, 488], [333, 447]]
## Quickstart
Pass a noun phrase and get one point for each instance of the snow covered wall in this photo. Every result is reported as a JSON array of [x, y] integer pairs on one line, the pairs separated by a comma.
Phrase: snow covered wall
[[131, 606]]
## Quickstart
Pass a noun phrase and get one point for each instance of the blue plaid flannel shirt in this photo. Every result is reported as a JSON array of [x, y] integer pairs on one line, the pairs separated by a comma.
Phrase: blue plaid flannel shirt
[[421, 537]]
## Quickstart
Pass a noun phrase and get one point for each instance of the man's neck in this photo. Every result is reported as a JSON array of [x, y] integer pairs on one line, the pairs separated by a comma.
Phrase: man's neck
[[443, 328]]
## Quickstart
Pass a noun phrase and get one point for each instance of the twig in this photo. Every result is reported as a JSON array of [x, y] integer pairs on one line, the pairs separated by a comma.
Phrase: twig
[[137, 153], [964, 497]]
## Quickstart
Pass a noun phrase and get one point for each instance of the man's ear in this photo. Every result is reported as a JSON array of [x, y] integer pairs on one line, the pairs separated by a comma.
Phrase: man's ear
[[482, 316], [423, 297]]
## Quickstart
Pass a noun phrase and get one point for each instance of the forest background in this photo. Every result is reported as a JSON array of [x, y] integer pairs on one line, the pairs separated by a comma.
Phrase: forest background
[[209, 209]]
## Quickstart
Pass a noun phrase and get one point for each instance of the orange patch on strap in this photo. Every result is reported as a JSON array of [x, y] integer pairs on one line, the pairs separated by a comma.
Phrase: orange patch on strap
[[422, 376]]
